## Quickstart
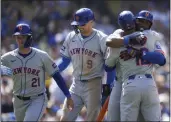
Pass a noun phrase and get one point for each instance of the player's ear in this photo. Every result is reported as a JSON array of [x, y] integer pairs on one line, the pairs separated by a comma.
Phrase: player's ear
[[92, 22]]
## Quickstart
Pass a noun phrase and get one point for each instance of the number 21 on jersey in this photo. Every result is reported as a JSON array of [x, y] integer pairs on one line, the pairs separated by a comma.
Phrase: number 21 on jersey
[[35, 82]]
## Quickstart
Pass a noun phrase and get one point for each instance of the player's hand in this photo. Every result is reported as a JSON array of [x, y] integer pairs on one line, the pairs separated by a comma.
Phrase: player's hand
[[131, 52], [125, 55], [70, 103], [106, 89], [137, 39]]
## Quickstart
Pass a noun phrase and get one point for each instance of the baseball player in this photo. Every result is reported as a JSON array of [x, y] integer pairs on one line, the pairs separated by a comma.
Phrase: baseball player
[[127, 24], [143, 20], [136, 67], [29, 66], [85, 48]]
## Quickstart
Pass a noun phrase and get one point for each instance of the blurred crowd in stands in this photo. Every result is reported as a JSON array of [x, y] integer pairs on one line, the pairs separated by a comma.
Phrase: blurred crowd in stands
[[50, 23]]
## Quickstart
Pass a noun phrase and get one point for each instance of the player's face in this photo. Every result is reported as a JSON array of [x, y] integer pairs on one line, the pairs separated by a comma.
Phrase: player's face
[[142, 23], [20, 39], [86, 28]]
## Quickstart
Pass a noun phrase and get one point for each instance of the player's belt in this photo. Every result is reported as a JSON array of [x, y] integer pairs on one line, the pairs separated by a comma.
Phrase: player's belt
[[132, 77], [89, 79], [84, 80], [28, 98]]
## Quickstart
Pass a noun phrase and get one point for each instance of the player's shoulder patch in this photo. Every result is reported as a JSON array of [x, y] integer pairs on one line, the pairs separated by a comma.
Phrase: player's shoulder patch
[[157, 46], [54, 65]]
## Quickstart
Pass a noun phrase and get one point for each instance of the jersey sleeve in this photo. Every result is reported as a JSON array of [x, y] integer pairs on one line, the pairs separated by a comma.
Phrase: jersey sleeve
[[4, 61], [64, 51], [49, 65], [158, 47], [116, 33], [103, 46], [112, 57]]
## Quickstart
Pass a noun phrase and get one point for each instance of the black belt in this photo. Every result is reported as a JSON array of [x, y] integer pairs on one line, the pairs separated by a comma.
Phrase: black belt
[[84, 80], [28, 98], [132, 77]]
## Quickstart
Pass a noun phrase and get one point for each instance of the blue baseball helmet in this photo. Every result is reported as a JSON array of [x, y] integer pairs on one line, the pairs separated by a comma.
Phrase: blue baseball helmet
[[126, 20], [24, 29], [82, 16], [144, 14]]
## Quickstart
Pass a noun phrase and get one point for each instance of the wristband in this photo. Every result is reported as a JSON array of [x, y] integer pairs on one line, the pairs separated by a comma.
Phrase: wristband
[[126, 40]]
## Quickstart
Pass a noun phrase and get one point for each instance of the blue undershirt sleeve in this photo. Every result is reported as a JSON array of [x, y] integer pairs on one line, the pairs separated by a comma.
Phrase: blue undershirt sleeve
[[155, 58], [64, 64], [61, 83]]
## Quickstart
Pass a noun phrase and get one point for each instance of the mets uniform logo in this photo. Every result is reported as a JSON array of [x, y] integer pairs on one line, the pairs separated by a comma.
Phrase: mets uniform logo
[[158, 46], [20, 28], [54, 65]]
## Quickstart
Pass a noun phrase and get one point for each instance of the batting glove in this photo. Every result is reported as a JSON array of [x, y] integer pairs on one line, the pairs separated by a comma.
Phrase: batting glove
[[131, 52]]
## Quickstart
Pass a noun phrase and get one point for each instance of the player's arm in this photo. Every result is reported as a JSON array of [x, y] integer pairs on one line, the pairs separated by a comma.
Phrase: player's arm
[[105, 50], [136, 38], [52, 69], [66, 58], [110, 62], [106, 88], [115, 42], [64, 64], [155, 57], [112, 58], [61, 83]]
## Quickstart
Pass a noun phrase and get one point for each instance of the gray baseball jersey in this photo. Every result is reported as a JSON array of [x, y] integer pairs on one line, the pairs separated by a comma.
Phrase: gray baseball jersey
[[134, 66], [132, 89], [87, 54], [29, 72], [113, 113]]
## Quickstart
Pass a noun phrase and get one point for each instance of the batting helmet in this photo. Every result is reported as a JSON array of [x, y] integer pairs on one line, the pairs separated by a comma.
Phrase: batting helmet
[[24, 29], [83, 16], [144, 14], [126, 20]]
